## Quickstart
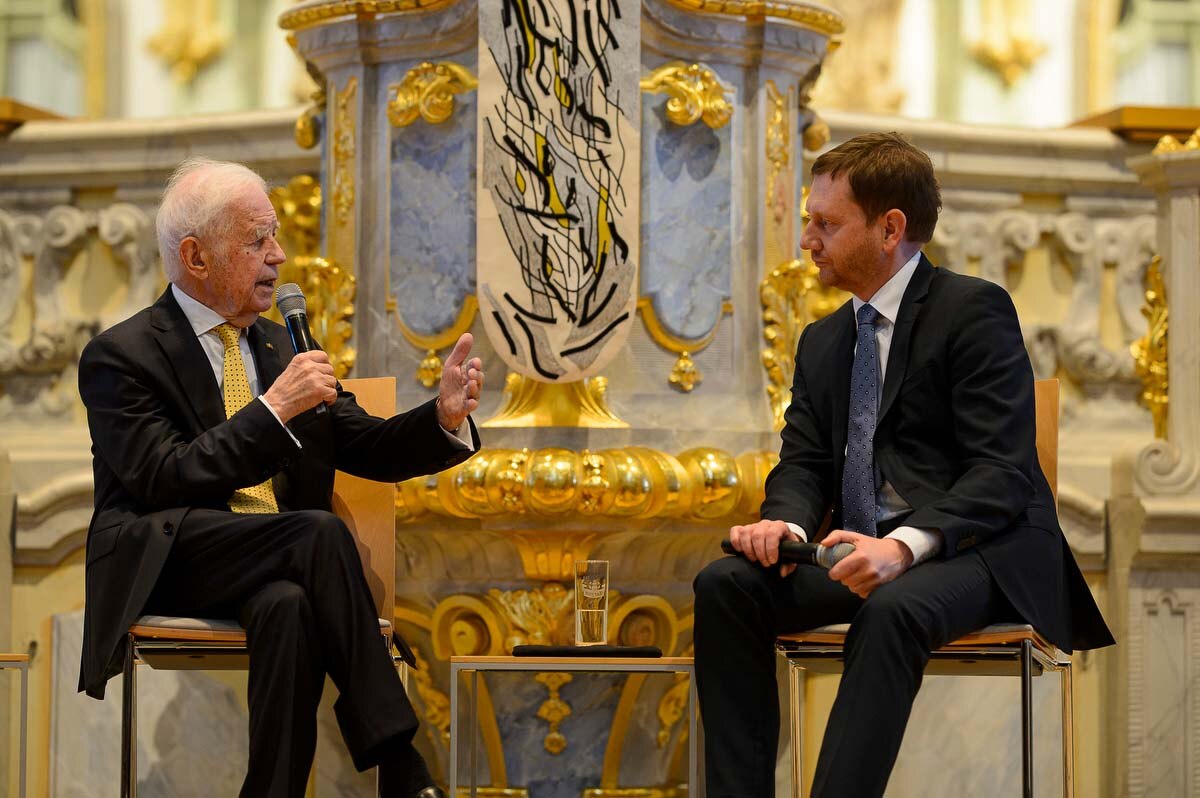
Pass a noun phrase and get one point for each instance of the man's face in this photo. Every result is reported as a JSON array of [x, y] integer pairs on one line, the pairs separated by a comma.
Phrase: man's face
[[246, 264], [847, 249]]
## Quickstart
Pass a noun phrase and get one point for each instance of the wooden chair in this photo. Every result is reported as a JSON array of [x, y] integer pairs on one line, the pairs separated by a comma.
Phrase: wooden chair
[[170, 643], [20, 662], [1000, 649]]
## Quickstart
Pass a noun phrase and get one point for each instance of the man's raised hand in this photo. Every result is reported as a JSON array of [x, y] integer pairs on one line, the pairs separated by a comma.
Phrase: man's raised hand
[[462, 381]]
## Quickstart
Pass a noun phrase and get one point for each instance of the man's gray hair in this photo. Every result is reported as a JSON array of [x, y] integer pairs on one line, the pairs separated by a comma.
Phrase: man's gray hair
[[195, 202]]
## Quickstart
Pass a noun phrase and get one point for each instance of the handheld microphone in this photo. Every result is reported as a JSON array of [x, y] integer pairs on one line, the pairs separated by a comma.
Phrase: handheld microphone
[[294, 309], [793, 551]]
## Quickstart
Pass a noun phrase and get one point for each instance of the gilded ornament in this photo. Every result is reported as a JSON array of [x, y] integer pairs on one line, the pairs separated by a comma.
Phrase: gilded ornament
[[436, 703], [816, 135], [344, 150], [554, 710], [694, 93], [633, 482], [307, 131], [430, 370], [427, 91], [328, 287], [429, 373], [1006, 46], [318, 13], [189, 39], [541, 616], [779, 150], [1171, 144], [1150, 351], [529, 403], [671, 708], [813, 18], [685, 376]]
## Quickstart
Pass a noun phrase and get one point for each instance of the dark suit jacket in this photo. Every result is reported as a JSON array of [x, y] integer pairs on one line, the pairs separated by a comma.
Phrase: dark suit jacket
[[954, 436], [161, 445]]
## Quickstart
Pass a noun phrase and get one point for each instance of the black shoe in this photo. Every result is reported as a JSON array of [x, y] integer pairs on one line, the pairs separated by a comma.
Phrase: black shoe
[[403, 774]]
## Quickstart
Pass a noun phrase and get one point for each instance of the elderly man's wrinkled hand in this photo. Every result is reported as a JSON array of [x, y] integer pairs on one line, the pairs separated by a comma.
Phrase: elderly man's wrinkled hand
[[462, 380], [305, 383]]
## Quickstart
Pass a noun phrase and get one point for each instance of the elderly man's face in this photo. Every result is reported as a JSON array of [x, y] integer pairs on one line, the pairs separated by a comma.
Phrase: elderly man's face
[[246, 264]]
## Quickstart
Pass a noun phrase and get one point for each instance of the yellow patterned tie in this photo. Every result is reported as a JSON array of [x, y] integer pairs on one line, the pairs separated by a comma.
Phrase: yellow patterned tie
[[259, 498]]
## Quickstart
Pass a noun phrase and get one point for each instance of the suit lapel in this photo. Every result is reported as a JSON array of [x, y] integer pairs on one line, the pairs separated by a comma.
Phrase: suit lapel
[[266, 357], [187, 359], [910, 306], [842, 361]]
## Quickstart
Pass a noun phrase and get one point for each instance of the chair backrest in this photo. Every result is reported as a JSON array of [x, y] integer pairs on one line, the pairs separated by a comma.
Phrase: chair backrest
[[1045, 400], [369, 508]]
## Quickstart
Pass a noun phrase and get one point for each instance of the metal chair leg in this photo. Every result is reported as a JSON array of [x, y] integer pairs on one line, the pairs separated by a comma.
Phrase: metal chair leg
[[129, 723], [1027, 718], [1068, 732]]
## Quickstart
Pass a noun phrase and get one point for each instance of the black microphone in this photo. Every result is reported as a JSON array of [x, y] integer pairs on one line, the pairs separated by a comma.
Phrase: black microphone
[[793, 551], [294, 309]]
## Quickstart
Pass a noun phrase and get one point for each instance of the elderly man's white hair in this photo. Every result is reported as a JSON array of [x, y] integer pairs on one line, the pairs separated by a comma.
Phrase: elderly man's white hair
[[195, 202]]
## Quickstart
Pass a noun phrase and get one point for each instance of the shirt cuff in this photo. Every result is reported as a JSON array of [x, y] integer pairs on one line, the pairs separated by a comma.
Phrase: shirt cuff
[[461, 435], [267, 405], [923, 543], [798, 531]]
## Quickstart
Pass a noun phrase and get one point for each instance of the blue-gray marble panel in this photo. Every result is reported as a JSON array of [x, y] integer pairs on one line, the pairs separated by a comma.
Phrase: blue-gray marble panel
[[433, 214], [687, 185]]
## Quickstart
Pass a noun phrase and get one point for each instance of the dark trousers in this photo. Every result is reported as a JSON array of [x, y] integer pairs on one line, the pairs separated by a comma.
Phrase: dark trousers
[[295, 582], [741, 607]]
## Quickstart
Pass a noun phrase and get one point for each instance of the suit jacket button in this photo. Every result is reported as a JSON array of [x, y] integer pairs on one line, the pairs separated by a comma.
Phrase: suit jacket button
[[168, 528]]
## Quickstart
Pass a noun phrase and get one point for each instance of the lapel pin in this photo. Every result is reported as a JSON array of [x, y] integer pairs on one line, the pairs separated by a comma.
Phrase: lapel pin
[[270, 348]]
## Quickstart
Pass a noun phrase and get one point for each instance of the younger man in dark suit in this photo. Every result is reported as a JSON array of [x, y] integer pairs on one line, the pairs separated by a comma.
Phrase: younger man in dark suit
[[912, 420], [214, 478]]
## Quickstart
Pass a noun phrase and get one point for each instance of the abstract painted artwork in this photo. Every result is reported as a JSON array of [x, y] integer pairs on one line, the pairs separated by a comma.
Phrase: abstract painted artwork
[[558, 181]]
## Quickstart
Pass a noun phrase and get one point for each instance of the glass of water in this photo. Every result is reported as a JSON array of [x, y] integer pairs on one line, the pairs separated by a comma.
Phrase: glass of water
[[591, 602]]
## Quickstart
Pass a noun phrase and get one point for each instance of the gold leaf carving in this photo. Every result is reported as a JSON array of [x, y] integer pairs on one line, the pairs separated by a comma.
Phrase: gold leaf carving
[[811, 17], [344, 150], [554, 710], [427, 91], [189, 38], [694, 93], [1150, 351], [684, 374], [437, 703]]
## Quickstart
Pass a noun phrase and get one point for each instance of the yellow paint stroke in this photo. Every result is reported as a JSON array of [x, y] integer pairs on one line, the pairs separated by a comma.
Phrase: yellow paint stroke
[[527, 29], [520, 181], [603, 233], [560, 88]]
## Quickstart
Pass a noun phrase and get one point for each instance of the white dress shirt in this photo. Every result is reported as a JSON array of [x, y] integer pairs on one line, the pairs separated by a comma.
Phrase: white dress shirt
[[205, 321], [923, 543]]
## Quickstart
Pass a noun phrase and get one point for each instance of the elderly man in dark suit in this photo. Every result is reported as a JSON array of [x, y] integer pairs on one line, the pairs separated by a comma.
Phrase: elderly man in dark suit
[[214, 477], [912, 423]]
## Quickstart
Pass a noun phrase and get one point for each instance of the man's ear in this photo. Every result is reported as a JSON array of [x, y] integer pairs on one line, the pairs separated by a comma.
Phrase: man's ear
[[895, 225], [192, 256]]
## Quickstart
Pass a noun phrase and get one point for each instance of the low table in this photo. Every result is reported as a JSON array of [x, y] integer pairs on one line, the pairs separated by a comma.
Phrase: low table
[[475, 665]]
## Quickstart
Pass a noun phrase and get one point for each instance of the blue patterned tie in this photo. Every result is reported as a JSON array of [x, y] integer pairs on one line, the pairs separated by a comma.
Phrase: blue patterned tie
[[858, 473]]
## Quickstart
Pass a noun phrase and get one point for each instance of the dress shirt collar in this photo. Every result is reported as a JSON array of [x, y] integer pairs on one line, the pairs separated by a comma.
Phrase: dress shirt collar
[[887, 299], [202, 318]]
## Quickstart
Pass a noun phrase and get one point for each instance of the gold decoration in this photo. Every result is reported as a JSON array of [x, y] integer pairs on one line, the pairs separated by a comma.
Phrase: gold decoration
[[429, 372], [684, 374], [308, 129], [539, 617], [529, 403], [437, 703], [671, 708], [427, 91], [695, 93], [189, 38], [318, 13], [554, 710], [94, 16], [1171, 144], [817, 19], [344, 149], [627, 483], [328, 288], [792, 296], [816, 135], [779, 149], [636, 792], [1006, 46], [1150, 351]]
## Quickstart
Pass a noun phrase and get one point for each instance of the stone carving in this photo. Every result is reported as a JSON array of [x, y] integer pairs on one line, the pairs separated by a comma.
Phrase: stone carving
[[999, 242], [52, 245]]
